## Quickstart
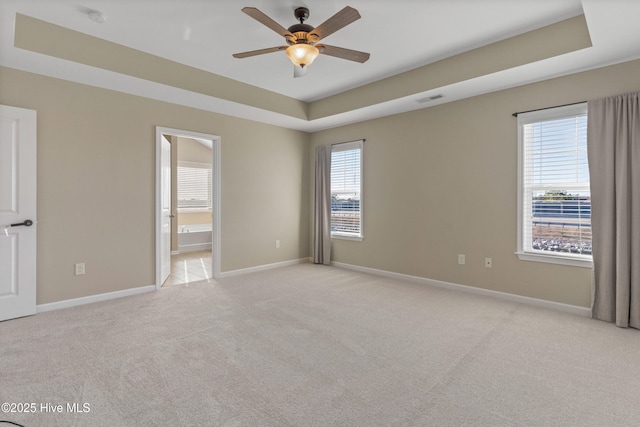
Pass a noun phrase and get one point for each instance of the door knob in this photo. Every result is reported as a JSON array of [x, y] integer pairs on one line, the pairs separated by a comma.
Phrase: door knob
[[26, 223]]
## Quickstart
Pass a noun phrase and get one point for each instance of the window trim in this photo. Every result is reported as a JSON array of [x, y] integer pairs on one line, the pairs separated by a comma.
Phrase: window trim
[[344, 146], [524, 119]]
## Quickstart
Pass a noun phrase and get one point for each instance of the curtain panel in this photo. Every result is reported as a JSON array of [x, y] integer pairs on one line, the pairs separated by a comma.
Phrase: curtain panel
[[322, 206], [613, 140]]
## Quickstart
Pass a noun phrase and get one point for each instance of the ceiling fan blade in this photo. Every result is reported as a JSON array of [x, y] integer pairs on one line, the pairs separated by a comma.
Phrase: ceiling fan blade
[[299, 71], [340, 20], [258, 52], [340, 52], [265, 20]]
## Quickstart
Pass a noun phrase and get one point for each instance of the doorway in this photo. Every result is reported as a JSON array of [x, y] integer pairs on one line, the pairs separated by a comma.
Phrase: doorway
[[185, 221], [189, 267]]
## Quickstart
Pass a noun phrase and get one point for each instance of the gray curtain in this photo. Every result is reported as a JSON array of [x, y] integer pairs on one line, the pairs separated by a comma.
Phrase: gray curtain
[[322, 214], [613, 141]]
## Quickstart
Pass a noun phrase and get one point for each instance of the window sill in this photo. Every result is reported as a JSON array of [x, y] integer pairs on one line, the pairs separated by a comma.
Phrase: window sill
[[347, 237], [551, 259]]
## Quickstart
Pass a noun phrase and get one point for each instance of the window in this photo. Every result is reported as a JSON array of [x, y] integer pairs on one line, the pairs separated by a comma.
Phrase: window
[[554, 200], [194, 187], [346, 190]]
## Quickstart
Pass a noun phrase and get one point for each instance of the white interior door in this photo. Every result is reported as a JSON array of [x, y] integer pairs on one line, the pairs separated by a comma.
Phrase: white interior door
[[165, 211], [17, 212]]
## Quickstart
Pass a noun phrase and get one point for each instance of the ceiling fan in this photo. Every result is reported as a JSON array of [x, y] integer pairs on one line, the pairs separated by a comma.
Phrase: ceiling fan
[[303, 38]]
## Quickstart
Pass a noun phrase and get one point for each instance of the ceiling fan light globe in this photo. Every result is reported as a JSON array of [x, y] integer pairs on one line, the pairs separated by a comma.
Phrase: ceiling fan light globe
[[302, 55]]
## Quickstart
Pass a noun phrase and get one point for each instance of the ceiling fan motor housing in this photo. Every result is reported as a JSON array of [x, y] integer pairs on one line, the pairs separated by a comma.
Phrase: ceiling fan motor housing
[[299, 37]]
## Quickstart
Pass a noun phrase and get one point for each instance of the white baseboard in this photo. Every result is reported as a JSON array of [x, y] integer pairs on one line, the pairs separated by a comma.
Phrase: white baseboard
[[567, 308], [93, 298], [262, 267], [135, 291]]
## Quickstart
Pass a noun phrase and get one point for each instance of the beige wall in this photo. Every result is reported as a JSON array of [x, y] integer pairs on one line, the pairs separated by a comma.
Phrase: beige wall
[[96, 185], [442, 181], [190, 150], [438, 182], [187, 218]]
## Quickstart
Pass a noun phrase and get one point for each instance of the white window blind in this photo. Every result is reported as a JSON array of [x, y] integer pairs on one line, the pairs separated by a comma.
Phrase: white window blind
[[194, 186], [346, 189], [555, 197]]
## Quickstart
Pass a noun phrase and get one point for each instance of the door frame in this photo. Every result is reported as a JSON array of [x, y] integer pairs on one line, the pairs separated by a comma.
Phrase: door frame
[[215, 199]]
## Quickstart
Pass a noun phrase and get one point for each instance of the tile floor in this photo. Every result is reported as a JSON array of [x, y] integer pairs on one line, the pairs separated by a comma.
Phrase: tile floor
[[189, 267]]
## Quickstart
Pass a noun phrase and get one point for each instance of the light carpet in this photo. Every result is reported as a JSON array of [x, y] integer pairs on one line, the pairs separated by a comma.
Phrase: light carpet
[[309, 345]]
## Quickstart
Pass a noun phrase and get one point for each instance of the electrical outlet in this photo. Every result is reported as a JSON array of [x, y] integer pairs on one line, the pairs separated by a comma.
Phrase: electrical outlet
[[80, 269], [488, 263], [461, 259], [277, 244]]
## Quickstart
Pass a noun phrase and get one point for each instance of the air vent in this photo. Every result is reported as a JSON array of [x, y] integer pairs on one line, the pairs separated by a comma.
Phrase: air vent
[[429, 99]]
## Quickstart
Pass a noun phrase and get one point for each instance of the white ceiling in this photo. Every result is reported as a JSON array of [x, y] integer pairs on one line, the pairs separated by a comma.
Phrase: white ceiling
[[400, 35]]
